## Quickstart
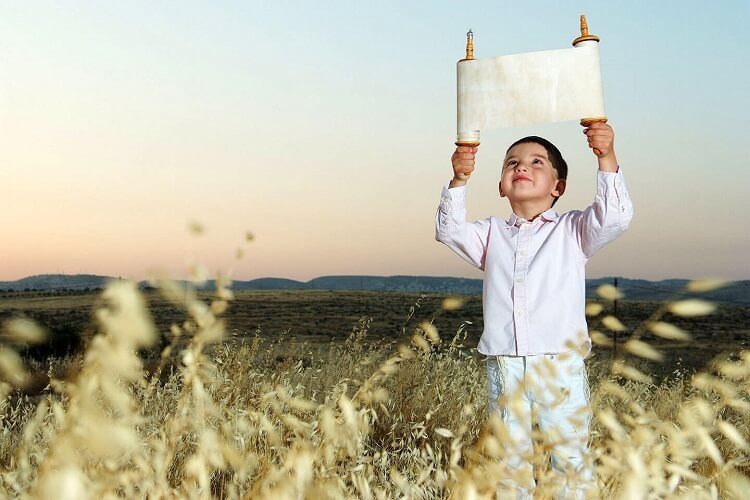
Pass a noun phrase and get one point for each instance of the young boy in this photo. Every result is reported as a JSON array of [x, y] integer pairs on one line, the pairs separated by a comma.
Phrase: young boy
[[534, 291]]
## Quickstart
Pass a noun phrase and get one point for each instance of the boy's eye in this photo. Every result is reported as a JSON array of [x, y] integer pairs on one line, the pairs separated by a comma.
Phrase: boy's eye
[[537, 161]]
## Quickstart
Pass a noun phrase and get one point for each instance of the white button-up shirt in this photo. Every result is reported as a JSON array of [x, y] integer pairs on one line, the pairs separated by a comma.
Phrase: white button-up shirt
[[534, 288]]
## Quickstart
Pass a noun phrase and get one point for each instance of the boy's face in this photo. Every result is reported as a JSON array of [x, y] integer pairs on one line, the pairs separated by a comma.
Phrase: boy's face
[[528, 175]]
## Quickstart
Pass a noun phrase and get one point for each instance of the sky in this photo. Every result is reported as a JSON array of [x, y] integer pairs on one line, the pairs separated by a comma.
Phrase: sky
[[326, 129]]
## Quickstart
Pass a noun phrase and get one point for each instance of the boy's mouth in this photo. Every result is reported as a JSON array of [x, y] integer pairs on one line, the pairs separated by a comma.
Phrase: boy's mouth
[[521, 178]]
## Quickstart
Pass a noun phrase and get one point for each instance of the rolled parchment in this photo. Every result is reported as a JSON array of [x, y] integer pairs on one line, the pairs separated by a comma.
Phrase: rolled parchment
[[535, 87]]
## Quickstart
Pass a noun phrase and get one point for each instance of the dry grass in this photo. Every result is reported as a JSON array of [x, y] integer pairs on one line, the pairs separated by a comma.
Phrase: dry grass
[[246, 418]]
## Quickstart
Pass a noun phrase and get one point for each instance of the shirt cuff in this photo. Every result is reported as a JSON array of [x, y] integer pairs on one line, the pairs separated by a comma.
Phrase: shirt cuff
[[452, 199], [611, 186], [606, 181]]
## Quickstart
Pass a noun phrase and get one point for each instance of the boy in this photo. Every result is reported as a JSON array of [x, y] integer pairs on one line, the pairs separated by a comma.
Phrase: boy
[[534, 291]]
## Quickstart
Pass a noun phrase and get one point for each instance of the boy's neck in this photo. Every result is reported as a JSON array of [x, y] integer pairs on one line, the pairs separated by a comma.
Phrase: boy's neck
[[529, 210]]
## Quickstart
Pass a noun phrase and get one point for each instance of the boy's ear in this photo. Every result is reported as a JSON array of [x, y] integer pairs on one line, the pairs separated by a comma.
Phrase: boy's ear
[[559, 188], [500, 188]]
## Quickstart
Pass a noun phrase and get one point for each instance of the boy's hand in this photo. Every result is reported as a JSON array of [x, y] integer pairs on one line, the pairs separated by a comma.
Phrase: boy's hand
[[602, 137], [463, 164]]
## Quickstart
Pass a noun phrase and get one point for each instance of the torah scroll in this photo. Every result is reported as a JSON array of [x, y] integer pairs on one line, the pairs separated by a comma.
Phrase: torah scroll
[[522, 89]]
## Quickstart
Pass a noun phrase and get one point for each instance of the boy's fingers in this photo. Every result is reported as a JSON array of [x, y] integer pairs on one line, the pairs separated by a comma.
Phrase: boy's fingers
[[461, 157], [598, 130]]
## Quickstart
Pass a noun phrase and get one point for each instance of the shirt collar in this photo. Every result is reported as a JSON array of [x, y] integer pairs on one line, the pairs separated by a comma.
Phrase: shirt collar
[[548, 216]]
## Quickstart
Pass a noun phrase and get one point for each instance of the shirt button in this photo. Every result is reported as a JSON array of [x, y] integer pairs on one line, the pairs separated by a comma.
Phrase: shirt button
[[522, 252], [519, 279]]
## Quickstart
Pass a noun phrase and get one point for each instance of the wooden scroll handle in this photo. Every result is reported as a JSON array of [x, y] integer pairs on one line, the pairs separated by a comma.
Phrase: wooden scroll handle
[[587, 122]]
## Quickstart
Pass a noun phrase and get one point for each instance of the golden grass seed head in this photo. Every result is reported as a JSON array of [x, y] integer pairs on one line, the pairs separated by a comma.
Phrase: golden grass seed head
[[623, 369], [735, 485], [707, 284], [405, 351], [420, 342], [126, 317], [213, 333], [430, 331], [709, 445], [609, 420], [614, 324], [223, 281], [453, 303], [609, 292], [593, 309], [707, 382], [734, 370], [198, 274], [299, 404], [732, 434], [388, 368], [104, 438], [600, 338], [446, 433], [702, 409], [615, 390], [25, 331], [11, 367], [643, 350], [691, 307], [380, 395], [66, 483], [668, 331], [295, 424], [175, 330]]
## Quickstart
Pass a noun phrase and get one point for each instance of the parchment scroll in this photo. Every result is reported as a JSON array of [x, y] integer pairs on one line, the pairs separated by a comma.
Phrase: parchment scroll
[[522, 89]]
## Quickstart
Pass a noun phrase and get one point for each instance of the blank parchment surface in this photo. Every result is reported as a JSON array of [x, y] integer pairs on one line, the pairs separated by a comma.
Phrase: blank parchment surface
[[537, 87]]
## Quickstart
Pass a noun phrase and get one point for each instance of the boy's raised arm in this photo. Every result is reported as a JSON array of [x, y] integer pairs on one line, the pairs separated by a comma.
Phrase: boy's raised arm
[[469, 240], [610, 214]]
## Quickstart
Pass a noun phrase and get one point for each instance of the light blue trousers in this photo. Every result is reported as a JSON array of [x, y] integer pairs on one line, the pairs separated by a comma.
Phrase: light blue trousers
[[555, 387]]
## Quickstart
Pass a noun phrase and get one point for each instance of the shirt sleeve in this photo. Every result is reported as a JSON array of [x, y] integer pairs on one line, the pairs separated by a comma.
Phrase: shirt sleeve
[[467, 239], [608, 217]]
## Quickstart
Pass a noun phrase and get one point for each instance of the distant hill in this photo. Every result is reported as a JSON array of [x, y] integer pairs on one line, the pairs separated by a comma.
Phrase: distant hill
[[635, 289], [44, 282]]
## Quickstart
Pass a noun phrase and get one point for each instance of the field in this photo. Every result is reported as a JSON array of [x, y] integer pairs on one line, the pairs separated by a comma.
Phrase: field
[[321, 317], [329, 395]]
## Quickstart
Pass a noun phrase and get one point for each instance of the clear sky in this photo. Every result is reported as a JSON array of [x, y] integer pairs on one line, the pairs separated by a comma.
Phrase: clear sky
[[326, 129]]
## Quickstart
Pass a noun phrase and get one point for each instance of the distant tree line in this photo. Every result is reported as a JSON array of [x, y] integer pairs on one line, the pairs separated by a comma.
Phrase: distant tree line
[[40, 292]]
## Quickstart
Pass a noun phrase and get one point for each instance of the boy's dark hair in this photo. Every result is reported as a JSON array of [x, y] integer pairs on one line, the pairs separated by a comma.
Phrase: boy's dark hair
[[554, 155]]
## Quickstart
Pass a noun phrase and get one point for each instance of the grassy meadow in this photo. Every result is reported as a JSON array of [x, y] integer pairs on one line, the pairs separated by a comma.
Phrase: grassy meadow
[[177, 394]]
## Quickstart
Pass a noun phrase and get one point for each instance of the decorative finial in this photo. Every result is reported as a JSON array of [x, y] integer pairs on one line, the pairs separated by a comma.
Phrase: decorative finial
[[585, 33], [470, 44], [584, 26]]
